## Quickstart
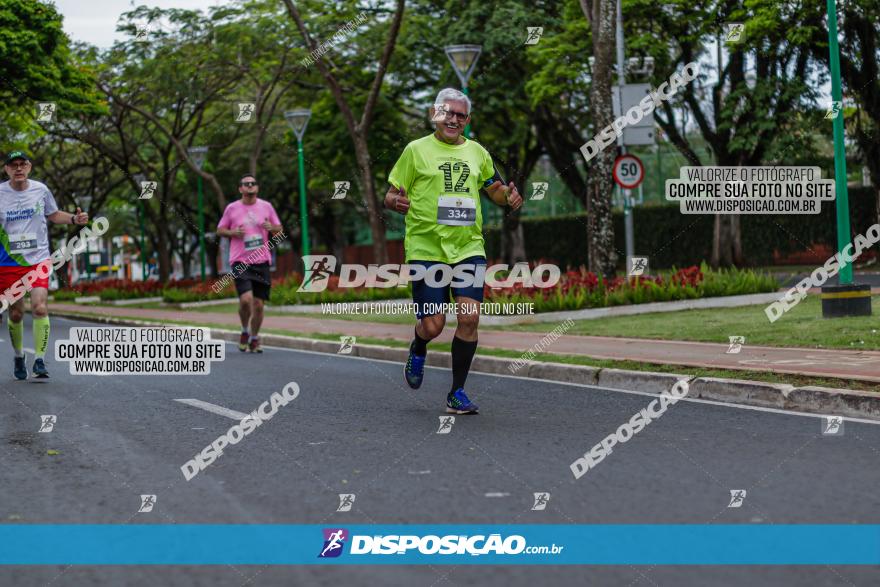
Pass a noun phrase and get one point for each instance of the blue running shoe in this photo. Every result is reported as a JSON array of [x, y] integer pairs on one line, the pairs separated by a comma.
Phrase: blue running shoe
[[414, 370], [40, 371], [20, 369], [458, 403]]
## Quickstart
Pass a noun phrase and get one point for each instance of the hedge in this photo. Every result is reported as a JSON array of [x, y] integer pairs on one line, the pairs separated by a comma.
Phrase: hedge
[[670, 238]]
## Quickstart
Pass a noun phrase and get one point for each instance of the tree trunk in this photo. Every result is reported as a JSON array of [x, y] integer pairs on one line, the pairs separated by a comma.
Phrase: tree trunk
[[715, 259], [513, 245], [727, 241], [212, 251], [162, 256], [374, 211], [600, 227], [338, 240], [736, 239]]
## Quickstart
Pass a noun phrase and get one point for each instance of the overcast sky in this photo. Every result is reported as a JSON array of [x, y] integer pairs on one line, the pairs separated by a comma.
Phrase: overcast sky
[[94, 21]]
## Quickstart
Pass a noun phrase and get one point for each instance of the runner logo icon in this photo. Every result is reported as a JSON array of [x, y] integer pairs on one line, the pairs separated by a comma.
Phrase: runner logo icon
[[539, 190], [47, 423], [541, 500], [245, 112], [142, 34], [638, 265], [446, 423], [834, 110], [440, 111], [832, 426], [735, 31], [736, 344], [334, 542], [147, 503], [736, 498], [346, 344], [346, 500], [319, 268], [45, 111], [148, 189], [340, 189], [534, 34]]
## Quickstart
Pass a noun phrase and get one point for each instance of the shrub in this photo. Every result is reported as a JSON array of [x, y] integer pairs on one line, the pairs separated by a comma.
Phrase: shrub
[[65, 295], [582, 289]]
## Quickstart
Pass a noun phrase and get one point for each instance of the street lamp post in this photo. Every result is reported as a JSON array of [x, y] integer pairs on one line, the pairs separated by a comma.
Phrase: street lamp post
[[140, 178], [84, 202], [846, 298], [464, 59], [198, 155], [842, 199], [299, 120]]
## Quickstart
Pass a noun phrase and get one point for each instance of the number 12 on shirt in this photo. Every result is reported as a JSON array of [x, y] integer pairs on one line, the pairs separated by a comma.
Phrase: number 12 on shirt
[[447, 169]]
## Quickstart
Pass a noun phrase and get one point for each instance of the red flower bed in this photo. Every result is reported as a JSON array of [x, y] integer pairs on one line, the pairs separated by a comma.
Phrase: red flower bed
[[147, 288]]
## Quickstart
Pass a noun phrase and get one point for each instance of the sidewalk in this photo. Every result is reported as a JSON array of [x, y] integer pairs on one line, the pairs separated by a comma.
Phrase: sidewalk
[[858, 365]]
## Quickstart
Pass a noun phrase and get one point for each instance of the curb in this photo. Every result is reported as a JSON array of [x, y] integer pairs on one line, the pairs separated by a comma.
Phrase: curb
[[810, 399]]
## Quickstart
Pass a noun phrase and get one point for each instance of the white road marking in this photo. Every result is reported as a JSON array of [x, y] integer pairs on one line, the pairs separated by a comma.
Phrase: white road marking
[[584, 385], [497, 494], [213, 408], [419, 472]]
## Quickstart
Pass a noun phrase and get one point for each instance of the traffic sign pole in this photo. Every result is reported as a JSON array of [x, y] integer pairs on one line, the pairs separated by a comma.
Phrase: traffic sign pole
[[628, 228], [628, 173]]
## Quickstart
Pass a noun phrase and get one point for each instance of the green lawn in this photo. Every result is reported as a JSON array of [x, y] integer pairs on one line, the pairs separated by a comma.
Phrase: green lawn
[[802, 326]]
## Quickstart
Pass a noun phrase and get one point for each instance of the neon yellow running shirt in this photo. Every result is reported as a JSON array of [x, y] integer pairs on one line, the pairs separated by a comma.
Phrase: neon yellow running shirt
[[442, 182]]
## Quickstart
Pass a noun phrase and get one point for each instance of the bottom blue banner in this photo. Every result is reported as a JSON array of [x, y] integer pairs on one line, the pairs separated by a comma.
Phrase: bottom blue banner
[[197, 544]]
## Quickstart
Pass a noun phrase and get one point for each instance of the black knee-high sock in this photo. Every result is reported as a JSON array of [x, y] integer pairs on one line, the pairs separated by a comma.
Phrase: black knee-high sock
[[462, 354], [420, 345]]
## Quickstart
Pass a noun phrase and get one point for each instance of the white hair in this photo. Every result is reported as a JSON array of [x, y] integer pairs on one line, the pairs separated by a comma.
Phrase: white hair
[[452, 94]]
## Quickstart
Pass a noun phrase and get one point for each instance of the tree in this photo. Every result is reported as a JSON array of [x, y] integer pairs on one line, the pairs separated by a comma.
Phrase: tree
[[36, 65], [558, 92], [752, 114], [359, 129], [859, 69]]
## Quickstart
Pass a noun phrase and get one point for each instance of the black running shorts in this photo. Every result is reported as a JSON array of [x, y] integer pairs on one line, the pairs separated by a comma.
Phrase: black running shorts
[[254, 278]]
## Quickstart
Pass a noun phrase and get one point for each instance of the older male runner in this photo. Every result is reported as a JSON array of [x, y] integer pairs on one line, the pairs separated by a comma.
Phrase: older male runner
[[436, 184], [25, 207]]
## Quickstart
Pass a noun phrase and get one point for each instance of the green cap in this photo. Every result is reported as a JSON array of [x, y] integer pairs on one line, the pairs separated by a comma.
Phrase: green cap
[[13, 155]]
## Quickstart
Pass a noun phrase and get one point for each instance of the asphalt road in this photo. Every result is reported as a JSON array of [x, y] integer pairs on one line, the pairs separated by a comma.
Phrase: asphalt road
[[356, 428]]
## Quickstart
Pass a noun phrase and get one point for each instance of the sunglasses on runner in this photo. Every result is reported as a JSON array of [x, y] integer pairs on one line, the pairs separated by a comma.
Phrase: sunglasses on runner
[[458, 115], [248, 184]]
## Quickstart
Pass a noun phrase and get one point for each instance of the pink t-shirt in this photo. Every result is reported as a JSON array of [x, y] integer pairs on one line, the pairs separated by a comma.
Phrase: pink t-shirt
[[253, 248]]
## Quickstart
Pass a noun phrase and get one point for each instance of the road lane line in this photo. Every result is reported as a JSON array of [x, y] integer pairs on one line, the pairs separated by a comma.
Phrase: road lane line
[[612, 389], [213, 408]]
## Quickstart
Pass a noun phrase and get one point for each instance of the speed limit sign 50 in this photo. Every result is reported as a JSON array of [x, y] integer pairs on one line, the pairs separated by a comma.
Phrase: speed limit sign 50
[[628, 171]]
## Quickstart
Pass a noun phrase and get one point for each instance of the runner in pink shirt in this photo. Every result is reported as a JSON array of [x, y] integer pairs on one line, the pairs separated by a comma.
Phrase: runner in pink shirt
[[248, 223]]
